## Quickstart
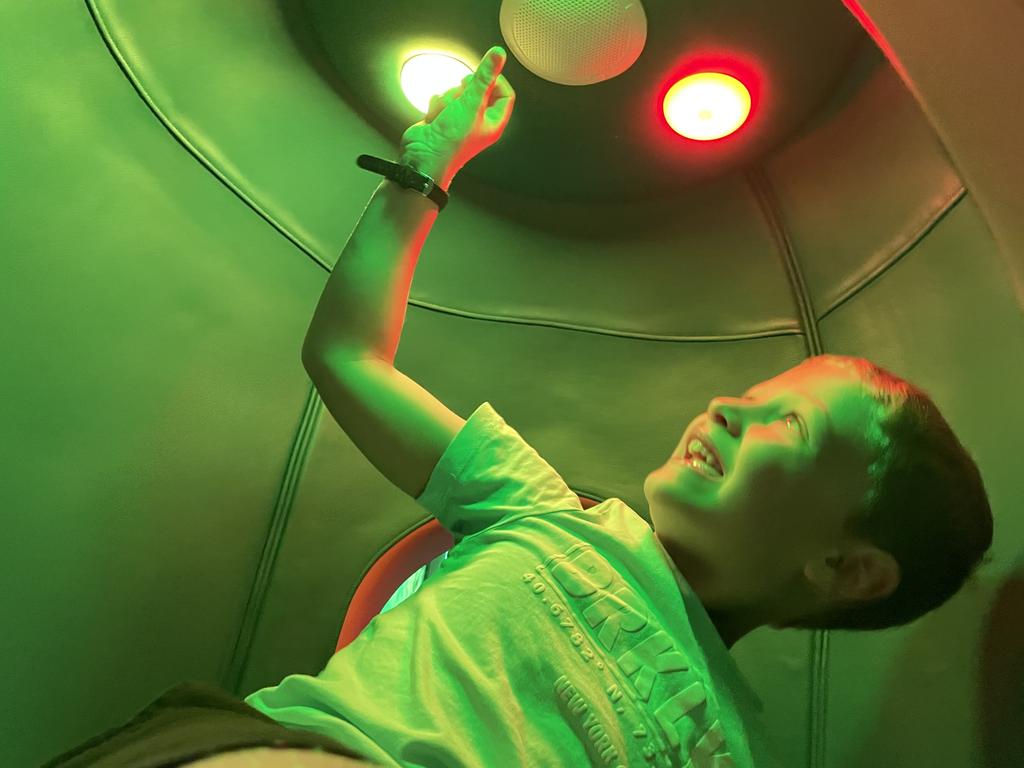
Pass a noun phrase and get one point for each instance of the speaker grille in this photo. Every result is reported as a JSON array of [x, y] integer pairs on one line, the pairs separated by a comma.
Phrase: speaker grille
[[574, 42]]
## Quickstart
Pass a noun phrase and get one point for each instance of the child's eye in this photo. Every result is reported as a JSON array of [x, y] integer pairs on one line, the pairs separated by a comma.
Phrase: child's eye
[[796, 417]]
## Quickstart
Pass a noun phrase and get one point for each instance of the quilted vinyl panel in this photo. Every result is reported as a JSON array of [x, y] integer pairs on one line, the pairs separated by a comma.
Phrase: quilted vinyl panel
[[152, 387]]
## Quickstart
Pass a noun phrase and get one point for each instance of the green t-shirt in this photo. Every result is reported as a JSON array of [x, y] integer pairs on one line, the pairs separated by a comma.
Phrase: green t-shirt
[[551, 636]]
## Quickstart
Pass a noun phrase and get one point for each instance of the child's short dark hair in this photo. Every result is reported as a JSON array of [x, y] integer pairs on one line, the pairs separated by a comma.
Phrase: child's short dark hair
[[927, 506]]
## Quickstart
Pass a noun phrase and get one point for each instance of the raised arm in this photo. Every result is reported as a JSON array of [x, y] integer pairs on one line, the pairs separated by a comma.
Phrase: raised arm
[[350, 347]]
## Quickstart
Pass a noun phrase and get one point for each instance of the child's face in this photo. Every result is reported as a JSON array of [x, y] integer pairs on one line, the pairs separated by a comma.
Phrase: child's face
[[783, 499]]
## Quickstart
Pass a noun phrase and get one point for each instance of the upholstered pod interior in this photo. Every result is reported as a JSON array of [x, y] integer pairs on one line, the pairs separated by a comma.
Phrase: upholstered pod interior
[[178, 179]]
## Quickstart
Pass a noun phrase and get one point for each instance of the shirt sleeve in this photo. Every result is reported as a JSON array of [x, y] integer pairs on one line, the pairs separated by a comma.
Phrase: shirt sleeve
[[488, 476]]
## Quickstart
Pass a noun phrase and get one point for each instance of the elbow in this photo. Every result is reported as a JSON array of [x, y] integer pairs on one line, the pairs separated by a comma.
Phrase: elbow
[[315, 351], [312, 360]]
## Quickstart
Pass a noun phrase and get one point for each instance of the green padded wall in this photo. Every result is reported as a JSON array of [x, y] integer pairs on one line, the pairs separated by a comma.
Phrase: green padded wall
[[153, 390]]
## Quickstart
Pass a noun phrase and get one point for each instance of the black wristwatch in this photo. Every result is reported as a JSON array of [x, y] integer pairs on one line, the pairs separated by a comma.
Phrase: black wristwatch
[[405, 176]]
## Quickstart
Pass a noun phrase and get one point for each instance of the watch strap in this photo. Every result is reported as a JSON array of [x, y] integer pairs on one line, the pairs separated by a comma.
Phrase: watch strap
[[405, 176]]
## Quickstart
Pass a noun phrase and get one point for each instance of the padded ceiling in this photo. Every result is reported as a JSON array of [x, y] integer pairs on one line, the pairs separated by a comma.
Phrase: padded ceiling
[[802, 50], [850, 194]]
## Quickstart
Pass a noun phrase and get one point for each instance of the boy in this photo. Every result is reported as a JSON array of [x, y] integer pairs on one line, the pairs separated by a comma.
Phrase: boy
[[563, 636]]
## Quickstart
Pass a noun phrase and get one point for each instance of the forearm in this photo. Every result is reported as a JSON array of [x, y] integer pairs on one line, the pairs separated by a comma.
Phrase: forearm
[[362, 308]]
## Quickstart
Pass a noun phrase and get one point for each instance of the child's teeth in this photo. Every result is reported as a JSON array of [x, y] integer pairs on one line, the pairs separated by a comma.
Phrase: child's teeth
[[696, 448]]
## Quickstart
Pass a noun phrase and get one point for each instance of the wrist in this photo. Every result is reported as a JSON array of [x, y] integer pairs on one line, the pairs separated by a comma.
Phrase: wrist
[[441, 172]]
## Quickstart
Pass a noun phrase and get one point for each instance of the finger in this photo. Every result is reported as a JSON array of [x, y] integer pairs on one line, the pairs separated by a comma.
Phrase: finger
[[439, 101], [487, 74], [435, 107], [503, 98], [503, 89], [498, 114]]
